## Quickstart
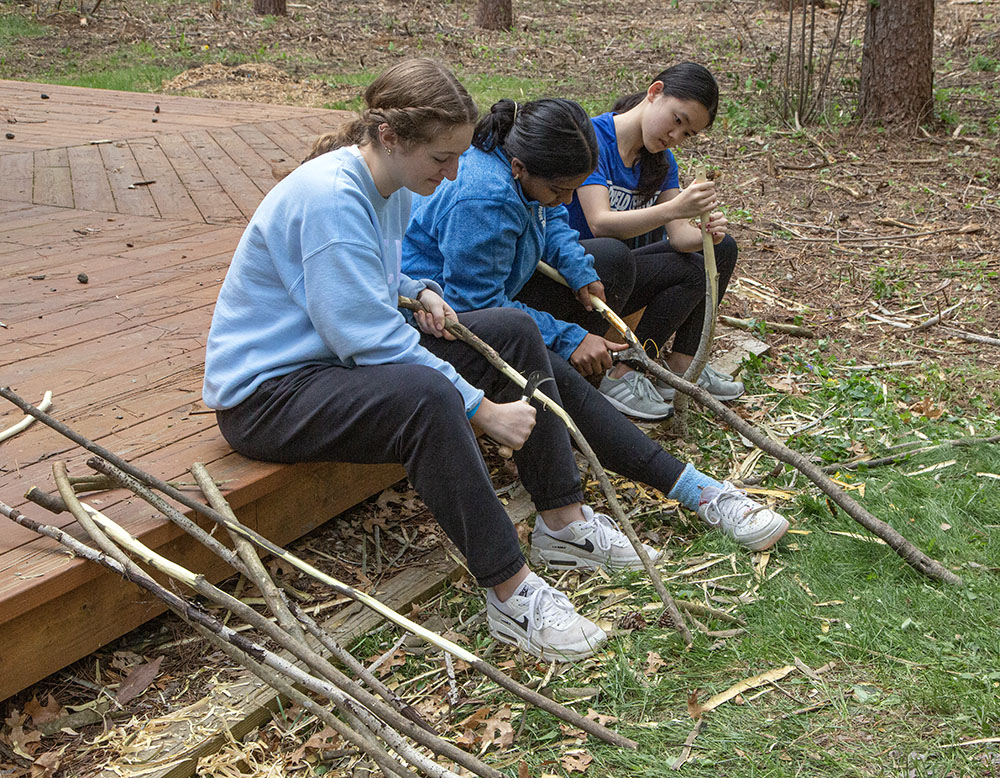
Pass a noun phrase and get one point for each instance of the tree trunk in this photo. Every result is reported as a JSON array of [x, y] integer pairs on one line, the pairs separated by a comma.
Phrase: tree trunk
[[897, 77], [269, 8], [495, 14]]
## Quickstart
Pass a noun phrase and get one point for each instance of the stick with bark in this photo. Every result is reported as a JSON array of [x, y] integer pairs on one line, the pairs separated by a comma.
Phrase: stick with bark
[[491, 672], [466, 335], [910, 553], [297, 647], [250, 654]]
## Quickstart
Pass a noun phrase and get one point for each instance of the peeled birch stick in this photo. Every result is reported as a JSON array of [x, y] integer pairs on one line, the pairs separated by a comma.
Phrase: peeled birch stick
[[910, 553], [700, 360], [27, 421], [538, 700], [466, 335]]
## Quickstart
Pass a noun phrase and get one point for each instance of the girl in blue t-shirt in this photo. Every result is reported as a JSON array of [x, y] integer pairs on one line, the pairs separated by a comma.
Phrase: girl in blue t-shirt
[[635, 195]]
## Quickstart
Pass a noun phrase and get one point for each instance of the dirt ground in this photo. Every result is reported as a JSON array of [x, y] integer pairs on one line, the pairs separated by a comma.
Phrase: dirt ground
[[855, 233]]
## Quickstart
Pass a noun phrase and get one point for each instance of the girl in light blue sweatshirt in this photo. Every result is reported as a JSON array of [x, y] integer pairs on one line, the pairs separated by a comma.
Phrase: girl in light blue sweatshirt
[[310, 359]]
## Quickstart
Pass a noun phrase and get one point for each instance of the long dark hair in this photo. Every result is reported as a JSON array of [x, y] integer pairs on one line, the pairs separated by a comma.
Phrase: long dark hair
[[553, 137], [416, 98], [685, 81]]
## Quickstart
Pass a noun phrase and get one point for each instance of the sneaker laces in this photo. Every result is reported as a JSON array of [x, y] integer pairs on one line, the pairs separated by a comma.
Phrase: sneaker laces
[[641, 388], [728, 503], [549, 606], [608, 532]]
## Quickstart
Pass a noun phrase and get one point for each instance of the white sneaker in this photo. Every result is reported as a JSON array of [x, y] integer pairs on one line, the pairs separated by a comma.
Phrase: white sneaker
[[542, 621], [745, 520], [597, 541], [722, 386]]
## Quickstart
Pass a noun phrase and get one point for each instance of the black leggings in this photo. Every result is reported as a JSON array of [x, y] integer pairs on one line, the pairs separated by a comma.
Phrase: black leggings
[[669, 284]]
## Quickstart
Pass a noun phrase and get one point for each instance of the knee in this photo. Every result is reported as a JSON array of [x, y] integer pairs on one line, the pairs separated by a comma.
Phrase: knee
[[725, 255], [436, 399]]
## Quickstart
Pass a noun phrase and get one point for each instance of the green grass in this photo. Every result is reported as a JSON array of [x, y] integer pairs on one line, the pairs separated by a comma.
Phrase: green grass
[[916, 662], [14, 26]]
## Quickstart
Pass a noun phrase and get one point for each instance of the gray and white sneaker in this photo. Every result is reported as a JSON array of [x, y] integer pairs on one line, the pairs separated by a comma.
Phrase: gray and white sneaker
[[633, 394], [542, 621], [721, 386], [745, 520], [597, 542]]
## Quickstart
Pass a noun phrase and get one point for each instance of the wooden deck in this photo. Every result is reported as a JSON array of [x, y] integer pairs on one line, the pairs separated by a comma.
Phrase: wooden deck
[[150, 211]]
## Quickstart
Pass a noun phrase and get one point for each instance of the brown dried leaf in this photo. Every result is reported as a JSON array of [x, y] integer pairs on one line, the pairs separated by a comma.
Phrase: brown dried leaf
[[576, 761], [25, 743], [694, 709], [40, 714], [498, 732], [138, 680], [600, 718], [782, 384], [46, 765], [522, 770], [653, 663]]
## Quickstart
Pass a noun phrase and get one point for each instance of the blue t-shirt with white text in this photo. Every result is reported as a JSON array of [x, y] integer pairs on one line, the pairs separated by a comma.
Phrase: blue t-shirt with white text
[[611, 172]]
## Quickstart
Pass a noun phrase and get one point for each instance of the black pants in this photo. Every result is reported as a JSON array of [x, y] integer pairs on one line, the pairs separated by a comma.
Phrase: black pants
[[413, 415], [669, 284]]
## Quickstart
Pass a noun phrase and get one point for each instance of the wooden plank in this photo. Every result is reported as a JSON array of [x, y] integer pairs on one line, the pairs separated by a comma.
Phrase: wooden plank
[[91, 188], [169, 193], [123, 173], [253, 165], [213, 203], [17, 173], [181, 738], [52, 181], [294, 145], [244, 193]]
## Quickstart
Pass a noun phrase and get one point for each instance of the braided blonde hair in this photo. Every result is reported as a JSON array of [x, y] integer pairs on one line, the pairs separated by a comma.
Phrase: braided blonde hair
[[416, 98]]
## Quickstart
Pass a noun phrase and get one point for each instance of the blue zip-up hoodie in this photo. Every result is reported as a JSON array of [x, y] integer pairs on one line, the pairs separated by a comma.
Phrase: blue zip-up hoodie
[[315, 279], [481, 239]]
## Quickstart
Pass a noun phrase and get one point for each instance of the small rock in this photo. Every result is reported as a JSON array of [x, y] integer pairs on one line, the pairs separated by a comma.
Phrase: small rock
[[155, 120], [156, 109], [45, 96], [10, 136], [37, 278], [82, 278], [130, 245]]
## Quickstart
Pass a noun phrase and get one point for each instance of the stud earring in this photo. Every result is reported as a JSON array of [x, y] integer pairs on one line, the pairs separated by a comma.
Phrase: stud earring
[[387, 150]]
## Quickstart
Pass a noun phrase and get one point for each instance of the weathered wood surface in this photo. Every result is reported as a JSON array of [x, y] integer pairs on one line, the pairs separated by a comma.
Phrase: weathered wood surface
[[123, 353]]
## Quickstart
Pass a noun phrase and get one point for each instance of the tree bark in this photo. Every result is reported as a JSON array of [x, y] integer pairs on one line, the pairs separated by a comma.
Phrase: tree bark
[[270, 8], [495, 14], [897, 77]]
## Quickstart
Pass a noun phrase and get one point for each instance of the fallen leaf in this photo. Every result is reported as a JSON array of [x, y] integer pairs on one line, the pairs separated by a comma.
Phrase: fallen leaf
[[576, 761], [46, 765], [138, 680], [653, 663], [694, 709], [40, 714], [600, 718], [25, 743]]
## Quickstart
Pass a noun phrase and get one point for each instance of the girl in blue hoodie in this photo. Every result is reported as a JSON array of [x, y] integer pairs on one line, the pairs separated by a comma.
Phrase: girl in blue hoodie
[[481, 236], [310, 359]]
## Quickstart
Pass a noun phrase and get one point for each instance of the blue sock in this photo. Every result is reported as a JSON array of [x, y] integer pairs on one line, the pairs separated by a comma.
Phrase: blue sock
[[687, 490]]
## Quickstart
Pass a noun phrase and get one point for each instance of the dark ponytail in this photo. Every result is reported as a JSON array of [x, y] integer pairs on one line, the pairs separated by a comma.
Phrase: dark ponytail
[[552, 137], [685, 81]]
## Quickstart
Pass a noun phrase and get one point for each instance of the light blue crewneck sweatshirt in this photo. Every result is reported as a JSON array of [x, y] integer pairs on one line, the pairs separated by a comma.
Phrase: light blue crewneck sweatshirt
[[314, 280], [480, 238]]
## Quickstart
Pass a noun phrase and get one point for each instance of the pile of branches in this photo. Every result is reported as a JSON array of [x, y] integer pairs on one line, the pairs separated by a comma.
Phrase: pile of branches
[[321, 675]]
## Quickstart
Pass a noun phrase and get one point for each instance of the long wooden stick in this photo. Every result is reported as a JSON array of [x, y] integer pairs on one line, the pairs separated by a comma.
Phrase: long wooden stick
[[500, 678], [700, 360], [909, 552], [466, 335]]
